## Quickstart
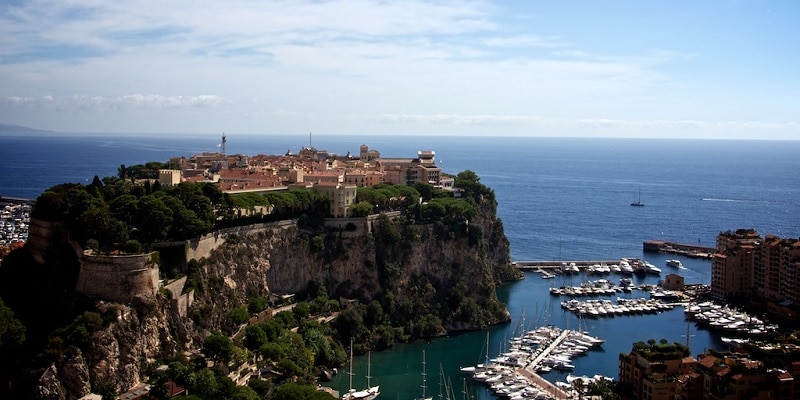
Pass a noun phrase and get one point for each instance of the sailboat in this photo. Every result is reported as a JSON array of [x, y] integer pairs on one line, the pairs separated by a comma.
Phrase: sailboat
[[370, 392], [424, 385], [637, 202]]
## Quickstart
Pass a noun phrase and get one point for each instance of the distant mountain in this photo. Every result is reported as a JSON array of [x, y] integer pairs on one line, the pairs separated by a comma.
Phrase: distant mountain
[[6, 128]]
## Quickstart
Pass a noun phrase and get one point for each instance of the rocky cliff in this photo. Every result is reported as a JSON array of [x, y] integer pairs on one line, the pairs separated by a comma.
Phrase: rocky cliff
[[415, 262], [450, 269], [113, 357]]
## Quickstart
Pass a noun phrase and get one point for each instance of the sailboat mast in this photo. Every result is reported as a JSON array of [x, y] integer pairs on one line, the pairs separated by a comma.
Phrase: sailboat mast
[[369, 366], [424, 375], [351, 365]]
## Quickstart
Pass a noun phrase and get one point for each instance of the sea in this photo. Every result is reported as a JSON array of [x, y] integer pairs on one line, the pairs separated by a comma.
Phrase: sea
[[558, 198]]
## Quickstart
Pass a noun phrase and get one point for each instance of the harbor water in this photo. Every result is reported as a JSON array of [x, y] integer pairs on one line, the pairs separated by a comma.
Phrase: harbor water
[[398, 371]]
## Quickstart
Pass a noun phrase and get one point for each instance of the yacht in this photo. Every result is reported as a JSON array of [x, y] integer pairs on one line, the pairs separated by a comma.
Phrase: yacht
[[675, 263]]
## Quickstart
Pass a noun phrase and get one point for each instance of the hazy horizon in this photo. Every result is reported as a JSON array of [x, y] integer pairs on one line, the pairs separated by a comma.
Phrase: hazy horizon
[[722, 69]]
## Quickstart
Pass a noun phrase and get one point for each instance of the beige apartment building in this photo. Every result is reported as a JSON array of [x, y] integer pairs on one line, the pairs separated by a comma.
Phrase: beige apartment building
[[765, 271]]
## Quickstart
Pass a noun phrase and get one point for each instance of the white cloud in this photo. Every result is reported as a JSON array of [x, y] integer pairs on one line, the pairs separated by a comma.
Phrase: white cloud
[[353, 65], [85, 103]]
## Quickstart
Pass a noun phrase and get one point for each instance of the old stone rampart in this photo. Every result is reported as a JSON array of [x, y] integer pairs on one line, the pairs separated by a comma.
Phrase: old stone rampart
[[180, 301], [204, 245], [119, 278]]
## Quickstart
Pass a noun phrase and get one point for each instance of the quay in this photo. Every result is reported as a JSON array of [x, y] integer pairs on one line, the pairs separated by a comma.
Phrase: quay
[[529, 372], [14, 200], [688, 250], [553, 264]]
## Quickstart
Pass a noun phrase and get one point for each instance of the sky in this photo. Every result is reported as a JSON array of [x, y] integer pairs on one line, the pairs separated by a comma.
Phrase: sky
[[667, 69]]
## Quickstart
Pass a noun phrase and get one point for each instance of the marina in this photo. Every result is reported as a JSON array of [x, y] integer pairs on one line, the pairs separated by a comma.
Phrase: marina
[[625, 266], [515, 373]]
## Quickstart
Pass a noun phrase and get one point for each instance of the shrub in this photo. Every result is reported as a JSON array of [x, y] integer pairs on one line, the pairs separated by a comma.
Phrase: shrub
[[133, 247]]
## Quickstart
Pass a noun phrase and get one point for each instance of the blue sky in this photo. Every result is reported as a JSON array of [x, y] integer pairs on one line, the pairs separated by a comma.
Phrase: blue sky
[[697, 69]]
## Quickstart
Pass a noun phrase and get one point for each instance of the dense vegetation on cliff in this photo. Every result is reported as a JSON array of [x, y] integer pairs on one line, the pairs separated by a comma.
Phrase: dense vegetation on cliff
[[429, 269]]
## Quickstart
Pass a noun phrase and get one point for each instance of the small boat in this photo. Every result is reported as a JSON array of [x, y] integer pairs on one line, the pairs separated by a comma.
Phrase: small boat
[[546, 275], [637, 201], [675, 263], [651, 269]]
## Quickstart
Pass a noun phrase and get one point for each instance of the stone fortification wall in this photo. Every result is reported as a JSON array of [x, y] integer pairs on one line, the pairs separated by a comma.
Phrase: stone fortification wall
[[180, 301], [202, 247], [119, 278]]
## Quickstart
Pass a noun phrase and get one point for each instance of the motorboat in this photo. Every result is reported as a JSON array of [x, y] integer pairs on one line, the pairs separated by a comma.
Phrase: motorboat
[[674, 263]]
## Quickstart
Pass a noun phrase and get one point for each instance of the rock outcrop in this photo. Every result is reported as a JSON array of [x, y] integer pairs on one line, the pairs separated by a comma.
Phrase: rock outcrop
[[410, 261], [421, 264]]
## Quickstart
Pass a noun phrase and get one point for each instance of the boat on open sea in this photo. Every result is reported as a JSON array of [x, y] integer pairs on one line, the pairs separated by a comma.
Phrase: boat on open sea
[[637, 201]]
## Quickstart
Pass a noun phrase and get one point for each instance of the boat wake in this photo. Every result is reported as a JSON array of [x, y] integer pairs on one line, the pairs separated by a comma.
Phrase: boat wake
[[733, 200]]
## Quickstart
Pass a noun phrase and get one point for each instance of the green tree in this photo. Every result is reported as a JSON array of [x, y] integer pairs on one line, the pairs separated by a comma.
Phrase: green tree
[[133, 247], [295, 391], [12, 337], [204, 383], [218, 347], [238, 315], [256, 305], [154, 219], [361, 209], [254, 337]]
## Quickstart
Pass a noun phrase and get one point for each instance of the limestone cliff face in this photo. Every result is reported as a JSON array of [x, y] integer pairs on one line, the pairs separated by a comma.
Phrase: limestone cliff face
[[115, 354], [419, 262], [423, 265]]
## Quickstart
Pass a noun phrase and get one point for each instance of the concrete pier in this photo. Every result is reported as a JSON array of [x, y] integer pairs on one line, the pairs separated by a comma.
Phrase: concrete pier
[[553, 264], [529, 371]]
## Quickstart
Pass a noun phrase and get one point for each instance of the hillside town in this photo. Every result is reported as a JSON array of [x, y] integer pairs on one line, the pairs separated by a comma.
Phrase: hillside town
[[15, 217], [329, 174]]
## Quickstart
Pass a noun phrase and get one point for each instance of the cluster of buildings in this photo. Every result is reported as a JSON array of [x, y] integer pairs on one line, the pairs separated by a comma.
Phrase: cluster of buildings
[[334, 176], [14, 224], [764, 271], [655, 372]]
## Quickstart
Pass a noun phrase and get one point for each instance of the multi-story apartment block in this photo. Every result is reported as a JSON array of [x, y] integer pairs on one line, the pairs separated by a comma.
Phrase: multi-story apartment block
[[776, 275], [732, 264], [652, 370], [765, 271]]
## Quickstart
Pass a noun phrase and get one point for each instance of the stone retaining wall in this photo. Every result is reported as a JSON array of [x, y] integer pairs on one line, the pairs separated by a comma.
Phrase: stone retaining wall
[[119, 278]]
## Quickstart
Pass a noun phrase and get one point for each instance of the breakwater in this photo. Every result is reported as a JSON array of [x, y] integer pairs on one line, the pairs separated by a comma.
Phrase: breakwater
[[688, 250]]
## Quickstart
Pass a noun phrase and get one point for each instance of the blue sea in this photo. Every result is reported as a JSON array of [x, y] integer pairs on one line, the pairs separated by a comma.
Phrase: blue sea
[[559, 199]]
